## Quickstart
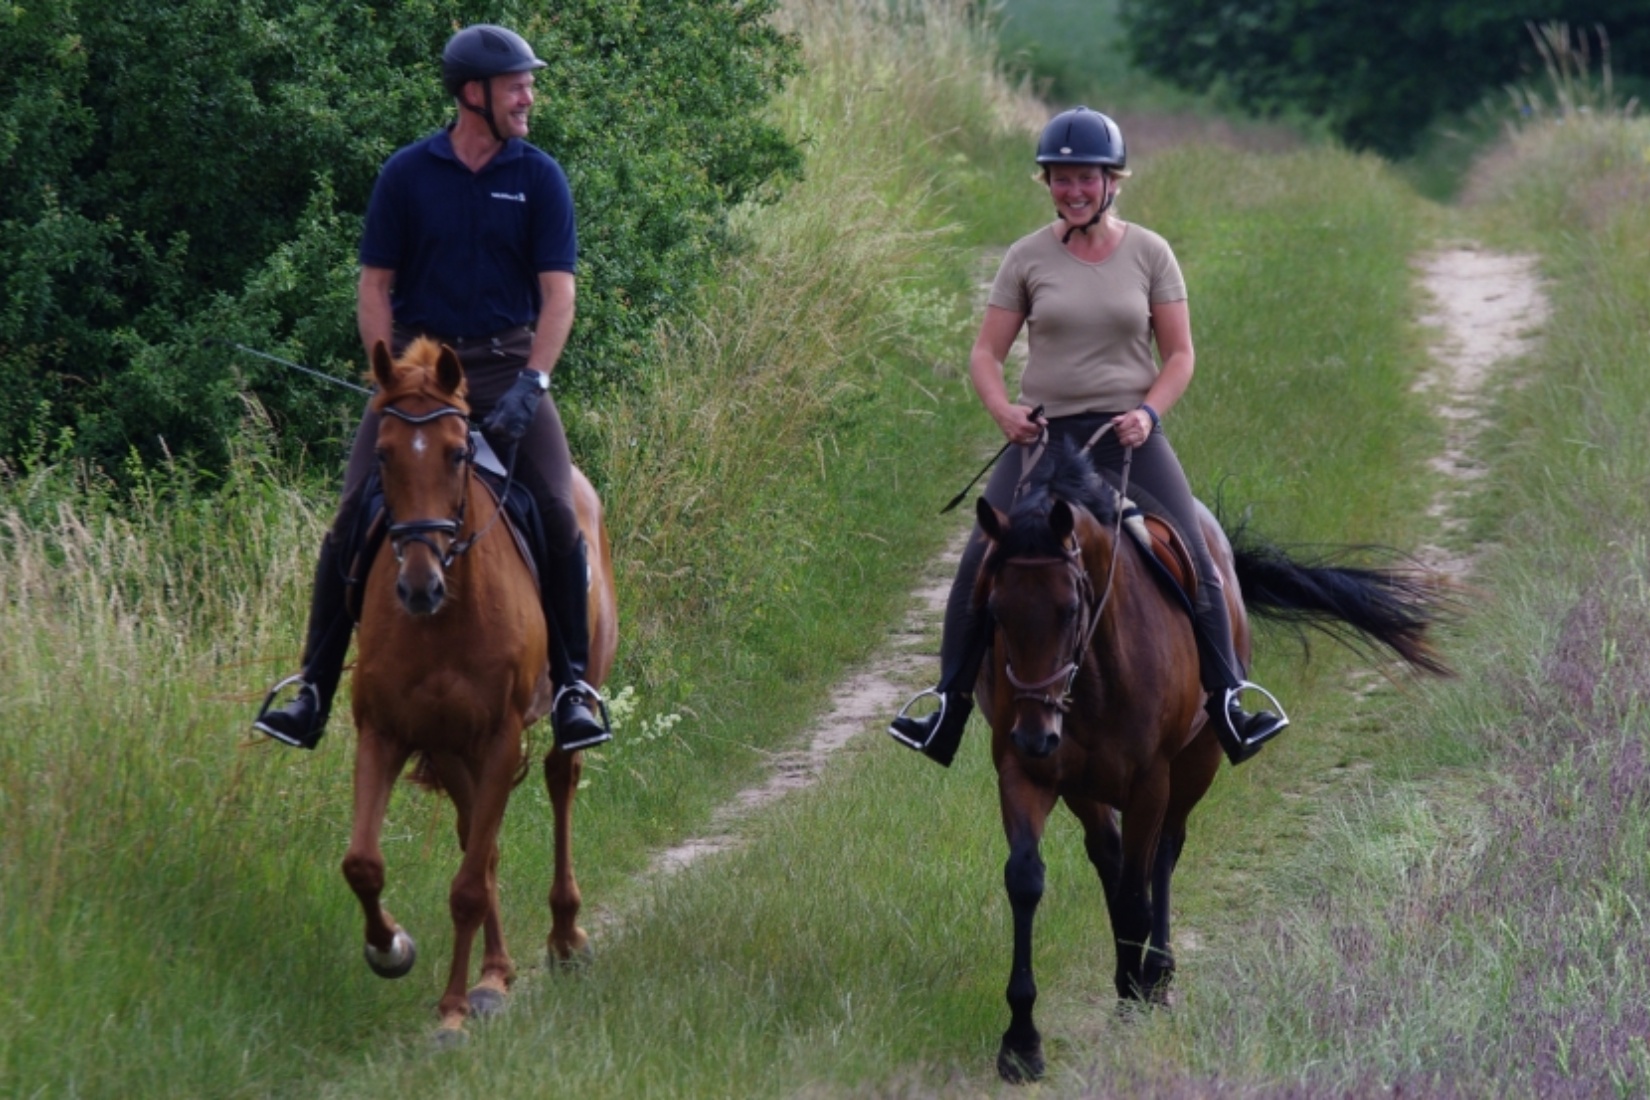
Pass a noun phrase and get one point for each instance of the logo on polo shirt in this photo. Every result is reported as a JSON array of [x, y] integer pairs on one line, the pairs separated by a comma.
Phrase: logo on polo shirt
[[519, 196]]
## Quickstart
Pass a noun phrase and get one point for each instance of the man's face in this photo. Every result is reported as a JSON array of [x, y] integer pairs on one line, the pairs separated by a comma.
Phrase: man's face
[[512, 102]]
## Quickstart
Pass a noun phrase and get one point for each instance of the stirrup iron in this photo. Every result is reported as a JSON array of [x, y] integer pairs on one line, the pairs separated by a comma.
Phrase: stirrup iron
[[269, 700], [939, 719], [589, 693]]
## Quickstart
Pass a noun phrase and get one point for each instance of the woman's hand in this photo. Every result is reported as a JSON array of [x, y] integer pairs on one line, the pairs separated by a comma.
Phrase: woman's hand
[[1133, 427], [1019, 424]]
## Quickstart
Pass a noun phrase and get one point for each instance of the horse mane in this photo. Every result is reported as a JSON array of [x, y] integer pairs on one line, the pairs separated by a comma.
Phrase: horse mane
[[415, 375], [1066, 473]]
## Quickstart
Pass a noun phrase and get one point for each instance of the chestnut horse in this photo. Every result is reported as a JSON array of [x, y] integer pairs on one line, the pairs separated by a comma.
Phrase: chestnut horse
[[451, 668], [1093, 696]]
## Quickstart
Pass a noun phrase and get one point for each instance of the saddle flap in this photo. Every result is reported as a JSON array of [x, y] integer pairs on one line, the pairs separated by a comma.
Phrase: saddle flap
[[1170, 551]]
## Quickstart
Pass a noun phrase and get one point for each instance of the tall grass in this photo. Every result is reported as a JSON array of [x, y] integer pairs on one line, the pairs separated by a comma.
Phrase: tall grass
[[1437, 889], [173, 920]]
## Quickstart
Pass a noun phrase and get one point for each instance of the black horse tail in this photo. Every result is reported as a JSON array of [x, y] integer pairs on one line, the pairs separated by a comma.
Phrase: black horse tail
[[1355, 605]]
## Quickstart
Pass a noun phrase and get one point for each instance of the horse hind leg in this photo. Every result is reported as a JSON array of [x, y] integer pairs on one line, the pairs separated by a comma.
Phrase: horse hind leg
[[1157, 970], [389, 951], [473, 897], [567, 942], [498, 971]]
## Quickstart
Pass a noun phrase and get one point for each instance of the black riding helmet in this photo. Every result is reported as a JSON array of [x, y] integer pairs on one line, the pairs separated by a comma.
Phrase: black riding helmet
[[1082, 136], [481, 52]]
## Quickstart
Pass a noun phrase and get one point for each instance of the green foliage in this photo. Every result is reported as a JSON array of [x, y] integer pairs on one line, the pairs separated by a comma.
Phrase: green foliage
[[197, 169], [1378, 73]]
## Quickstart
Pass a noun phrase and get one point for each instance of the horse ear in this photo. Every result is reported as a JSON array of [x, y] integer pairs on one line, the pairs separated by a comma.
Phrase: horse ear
[[448, 371], [383, 367], [1060, 520], [992, 522]]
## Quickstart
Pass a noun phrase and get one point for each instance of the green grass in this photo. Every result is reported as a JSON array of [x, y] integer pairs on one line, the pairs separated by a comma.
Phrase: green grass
[[1434, 886]]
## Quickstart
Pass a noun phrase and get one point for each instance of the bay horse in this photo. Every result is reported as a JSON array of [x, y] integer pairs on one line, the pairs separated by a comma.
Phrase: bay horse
[[451, 670], [1093, 696]]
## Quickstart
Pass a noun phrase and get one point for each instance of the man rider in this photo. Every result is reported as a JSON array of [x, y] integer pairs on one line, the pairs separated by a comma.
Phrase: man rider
[[470, 240]]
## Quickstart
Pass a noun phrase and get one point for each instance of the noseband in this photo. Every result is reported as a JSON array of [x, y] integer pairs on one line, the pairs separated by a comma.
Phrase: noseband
[[421, 530]]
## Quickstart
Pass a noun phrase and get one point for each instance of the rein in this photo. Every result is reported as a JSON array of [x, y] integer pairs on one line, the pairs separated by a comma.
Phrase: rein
[[1093, 607], [420, 530]]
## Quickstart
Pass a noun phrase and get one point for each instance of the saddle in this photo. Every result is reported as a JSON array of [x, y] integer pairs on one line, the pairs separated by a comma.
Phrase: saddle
[[521, 520], [1165, 549]]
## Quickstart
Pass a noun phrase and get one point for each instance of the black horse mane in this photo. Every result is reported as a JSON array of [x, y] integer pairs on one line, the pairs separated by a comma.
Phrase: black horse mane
[[1065, 473]]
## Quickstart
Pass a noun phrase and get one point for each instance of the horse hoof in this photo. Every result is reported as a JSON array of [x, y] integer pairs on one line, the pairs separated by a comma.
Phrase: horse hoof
[[485, 1002], [571, 956], [397, 961], [449, 1038], [1019, 1067]]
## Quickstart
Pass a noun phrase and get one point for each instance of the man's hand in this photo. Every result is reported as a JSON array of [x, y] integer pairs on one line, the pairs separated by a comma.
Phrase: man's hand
[[514, 412]]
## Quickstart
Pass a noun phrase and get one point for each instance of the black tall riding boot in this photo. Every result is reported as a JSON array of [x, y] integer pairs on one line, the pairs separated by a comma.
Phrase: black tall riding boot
[[1241, 733], [962, 649], [565, 582], [301, 722]]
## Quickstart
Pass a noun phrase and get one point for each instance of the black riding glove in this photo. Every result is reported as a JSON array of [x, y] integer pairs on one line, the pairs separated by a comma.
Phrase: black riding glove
[[514, 412]]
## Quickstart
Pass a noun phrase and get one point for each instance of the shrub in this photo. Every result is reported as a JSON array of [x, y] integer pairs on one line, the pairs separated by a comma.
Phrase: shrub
[[197, 169]]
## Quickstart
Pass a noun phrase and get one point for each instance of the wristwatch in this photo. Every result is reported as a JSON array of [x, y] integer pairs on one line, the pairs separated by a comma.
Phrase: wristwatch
[[543, 379]]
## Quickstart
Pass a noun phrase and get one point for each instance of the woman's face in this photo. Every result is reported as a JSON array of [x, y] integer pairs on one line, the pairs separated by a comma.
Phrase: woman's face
[[1078, 190]]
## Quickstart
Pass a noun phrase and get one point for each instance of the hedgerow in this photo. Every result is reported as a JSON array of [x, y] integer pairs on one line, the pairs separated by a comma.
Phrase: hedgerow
[[184, 175]]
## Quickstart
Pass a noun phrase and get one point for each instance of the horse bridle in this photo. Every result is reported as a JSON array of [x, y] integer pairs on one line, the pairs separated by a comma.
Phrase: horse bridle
[[1037, 690], [420, 530], [1093, 607]]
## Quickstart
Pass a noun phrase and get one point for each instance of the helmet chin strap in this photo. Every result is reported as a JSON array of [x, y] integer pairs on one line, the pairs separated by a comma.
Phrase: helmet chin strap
[[1092, 222], [486, 111]]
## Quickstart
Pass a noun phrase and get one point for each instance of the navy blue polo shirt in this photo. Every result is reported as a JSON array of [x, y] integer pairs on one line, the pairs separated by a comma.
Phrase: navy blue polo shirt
[[467, 247]]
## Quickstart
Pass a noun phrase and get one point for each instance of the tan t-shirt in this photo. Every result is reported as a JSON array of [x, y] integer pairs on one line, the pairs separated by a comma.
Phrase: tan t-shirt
[[1089, 325]]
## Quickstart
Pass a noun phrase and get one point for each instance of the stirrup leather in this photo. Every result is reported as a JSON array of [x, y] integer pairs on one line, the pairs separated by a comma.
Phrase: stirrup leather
[[1246, 685], [938, 720], [583, 689], [267, 730]]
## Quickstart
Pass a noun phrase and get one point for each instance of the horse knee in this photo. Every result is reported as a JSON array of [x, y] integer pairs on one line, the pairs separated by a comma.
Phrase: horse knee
[[1023, 877]]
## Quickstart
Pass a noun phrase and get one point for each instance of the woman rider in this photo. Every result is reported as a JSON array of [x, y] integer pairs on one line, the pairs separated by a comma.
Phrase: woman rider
[[1097, 293]]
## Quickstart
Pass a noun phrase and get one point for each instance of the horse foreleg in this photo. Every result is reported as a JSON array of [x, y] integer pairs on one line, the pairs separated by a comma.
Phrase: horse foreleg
[[561, 778], [389, 951], [473, 896], [1025, 809]]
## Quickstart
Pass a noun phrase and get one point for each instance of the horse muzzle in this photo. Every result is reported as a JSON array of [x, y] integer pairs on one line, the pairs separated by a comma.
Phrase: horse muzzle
[[422, 593], [1037, 737]]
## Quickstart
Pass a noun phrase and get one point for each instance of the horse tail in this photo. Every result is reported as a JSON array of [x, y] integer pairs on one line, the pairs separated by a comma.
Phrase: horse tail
[[1355, 605]]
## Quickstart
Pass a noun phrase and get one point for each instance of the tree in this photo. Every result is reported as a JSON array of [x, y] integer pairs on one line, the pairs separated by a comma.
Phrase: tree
[[186, 172], [1377, 70]]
